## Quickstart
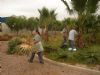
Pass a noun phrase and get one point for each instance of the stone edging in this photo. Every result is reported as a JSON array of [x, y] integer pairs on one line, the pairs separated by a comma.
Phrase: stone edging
[[67, 65]]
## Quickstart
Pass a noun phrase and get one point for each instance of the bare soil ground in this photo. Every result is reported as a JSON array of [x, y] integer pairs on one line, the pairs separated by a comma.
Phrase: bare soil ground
[[18, 65]]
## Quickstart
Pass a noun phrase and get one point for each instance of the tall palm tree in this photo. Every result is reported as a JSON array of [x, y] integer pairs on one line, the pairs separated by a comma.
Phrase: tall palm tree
[[83, 8], [46, 17]]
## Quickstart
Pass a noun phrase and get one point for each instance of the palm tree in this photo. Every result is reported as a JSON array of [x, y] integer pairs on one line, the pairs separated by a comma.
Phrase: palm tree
[[83, 9], [46, 17]]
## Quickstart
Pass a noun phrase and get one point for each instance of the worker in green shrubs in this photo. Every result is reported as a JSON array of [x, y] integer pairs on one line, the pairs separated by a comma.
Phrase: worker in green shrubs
[[64, 35], [38, 47]]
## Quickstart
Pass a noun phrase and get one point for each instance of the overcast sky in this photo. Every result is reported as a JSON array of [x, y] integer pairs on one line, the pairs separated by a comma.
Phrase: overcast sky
[[30, 8]]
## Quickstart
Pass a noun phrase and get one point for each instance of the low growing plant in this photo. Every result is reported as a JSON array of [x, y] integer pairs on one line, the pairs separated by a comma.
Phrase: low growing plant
[[12, 44]]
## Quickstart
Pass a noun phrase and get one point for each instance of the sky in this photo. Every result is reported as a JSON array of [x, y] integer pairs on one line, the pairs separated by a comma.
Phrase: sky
[[29, 8]]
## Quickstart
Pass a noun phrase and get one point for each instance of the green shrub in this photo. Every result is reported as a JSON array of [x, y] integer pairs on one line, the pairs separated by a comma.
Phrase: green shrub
[[62, 54], [92, 58], [53, 44], [98, 38], [89, 55], [12, 44]]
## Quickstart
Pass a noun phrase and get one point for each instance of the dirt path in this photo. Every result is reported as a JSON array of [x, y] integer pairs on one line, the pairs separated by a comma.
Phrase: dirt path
[[18, 65]]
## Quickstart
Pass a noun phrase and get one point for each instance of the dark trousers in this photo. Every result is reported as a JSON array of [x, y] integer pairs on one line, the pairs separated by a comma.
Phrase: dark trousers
[[71, 44], [40, 56]]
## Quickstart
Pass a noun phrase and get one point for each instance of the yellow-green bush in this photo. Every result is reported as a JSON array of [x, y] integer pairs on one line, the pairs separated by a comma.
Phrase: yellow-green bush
[[12, 45], [19, 45]]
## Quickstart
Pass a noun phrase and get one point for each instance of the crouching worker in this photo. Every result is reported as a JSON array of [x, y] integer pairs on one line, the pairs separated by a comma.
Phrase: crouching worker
[[64, 34], [38, 47]]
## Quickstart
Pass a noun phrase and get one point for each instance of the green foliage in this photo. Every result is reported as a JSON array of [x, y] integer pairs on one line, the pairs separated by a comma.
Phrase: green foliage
[[83, 8], [55, 25], [89, 55], [16, 23], [20, 22], [69, 21], [79, 5], [12, 44], [32, 23], [91, 22], [61, 54], [10, 22], [53, 44], [94, 4], [57, 55], [85, 56], [46, 17]]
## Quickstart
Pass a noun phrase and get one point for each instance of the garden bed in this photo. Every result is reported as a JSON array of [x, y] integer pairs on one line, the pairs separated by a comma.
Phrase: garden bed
[[87, 57]]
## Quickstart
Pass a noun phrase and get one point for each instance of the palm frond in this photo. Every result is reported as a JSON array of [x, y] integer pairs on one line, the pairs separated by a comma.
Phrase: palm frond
[[92, 6], [79, 5], [68, 8]]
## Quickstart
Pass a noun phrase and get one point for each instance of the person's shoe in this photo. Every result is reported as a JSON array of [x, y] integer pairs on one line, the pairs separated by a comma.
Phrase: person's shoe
[[69, 49], [74, 49]]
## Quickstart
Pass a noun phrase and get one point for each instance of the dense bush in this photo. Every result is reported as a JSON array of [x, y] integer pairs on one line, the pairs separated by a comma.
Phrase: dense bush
[[53, 44], [12, 44], [20, 45], [61, 54], [87, 55]]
